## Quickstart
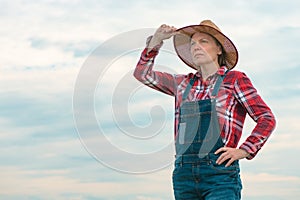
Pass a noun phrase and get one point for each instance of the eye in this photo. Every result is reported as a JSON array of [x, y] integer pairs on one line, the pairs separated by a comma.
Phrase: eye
[[204, 41]]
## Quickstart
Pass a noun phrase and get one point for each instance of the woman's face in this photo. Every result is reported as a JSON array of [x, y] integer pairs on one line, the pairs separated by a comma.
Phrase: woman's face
[[204, 49]]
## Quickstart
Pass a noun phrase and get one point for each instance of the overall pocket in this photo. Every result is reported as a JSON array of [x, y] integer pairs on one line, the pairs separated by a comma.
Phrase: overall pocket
[[194, 128], [233, 168]]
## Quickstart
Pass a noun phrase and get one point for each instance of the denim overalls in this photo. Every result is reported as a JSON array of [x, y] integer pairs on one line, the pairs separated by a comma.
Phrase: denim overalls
[[196, 174]]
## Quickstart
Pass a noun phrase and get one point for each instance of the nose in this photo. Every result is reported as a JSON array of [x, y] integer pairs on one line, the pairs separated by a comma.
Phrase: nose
[[196, 47]]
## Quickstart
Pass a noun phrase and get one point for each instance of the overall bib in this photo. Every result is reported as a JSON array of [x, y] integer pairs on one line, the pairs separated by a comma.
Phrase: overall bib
[[196, 174]]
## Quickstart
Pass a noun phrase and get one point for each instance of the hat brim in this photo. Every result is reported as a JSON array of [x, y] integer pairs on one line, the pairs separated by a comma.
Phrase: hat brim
[[183, 38]]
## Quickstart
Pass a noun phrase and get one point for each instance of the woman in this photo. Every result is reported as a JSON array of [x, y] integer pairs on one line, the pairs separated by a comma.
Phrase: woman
[[210, 110]]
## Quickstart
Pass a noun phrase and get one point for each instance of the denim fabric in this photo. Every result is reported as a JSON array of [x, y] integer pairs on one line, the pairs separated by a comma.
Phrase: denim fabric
[[199, 130], [196, 178], [196, 174]]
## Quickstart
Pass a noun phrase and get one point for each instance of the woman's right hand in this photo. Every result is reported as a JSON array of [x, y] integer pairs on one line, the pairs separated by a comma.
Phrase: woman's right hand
[[162, 33]]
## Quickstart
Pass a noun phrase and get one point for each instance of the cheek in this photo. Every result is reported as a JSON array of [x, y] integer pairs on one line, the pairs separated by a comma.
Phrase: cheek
[[191, 49], [214, 51]]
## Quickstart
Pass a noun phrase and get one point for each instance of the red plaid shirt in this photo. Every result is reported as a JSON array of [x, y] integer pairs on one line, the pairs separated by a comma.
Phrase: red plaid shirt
[[235, 99]]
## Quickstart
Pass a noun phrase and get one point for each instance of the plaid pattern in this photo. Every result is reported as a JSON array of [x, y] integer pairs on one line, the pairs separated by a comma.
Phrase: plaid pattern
[[235, 99]]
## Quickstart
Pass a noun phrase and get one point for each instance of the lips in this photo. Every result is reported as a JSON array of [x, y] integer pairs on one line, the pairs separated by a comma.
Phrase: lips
[[198, 54]]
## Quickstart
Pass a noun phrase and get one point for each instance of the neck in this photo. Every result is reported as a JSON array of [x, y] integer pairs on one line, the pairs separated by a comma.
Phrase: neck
[[208, 69]]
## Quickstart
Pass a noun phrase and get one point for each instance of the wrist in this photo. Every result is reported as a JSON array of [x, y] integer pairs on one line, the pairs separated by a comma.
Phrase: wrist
[[153, 43], [245, 153], [156, 40]]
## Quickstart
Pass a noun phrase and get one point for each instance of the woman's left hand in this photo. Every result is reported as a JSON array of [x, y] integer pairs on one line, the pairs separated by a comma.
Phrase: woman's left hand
[[230, 154]]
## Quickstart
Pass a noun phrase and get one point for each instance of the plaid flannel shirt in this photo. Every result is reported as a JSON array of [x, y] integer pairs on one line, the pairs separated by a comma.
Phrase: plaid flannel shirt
[[235, 99]]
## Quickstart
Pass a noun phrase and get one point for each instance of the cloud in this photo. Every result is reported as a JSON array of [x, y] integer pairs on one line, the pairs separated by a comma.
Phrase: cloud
[[44, 46], [261, 186], [57, 185]]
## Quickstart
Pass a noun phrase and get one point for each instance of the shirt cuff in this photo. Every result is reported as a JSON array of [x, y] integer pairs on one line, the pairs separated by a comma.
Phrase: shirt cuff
[[251, 153]]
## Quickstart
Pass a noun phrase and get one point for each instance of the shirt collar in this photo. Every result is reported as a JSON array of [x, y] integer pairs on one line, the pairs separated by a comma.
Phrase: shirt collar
[[221, 71]]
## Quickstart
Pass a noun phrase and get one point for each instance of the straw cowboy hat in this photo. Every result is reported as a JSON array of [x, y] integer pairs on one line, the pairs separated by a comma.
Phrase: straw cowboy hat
[[182, 43]]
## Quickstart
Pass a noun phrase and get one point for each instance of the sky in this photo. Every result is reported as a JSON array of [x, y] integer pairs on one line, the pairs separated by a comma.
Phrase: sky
[[75, 124]]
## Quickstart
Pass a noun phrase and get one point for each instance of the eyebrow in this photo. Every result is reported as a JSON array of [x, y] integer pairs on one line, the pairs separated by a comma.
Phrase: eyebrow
[[207, 38], [193, 40]]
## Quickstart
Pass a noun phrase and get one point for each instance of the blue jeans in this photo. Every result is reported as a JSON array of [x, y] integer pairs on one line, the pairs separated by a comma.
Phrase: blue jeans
[[195, 178]]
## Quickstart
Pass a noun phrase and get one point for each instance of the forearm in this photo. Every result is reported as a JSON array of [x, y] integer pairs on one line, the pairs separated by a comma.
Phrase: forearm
[[153, 42], [260, 134], [143, 69], [161, 81], [162, 33]]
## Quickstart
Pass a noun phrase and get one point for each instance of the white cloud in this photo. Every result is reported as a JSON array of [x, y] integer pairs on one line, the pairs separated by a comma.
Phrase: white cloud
[[264, 185], [54, 183], [44, 44]]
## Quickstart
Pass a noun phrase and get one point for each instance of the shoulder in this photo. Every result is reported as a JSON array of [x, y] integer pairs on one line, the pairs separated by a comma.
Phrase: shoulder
[[234, 75], [183, 79], [184, 76], [235, 78], [240, 81]]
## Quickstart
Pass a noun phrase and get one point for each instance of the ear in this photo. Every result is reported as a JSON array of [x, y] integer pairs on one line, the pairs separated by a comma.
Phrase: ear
[[219, 50]]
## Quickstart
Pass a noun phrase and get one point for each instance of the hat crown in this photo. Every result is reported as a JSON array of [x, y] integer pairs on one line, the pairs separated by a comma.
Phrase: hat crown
[[210, 24]]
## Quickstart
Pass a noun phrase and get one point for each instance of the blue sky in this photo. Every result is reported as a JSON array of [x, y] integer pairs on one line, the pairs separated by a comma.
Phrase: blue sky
[[51, 56]]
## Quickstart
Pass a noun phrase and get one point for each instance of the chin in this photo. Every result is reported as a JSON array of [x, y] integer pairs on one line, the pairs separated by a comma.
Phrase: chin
[[200, 62]]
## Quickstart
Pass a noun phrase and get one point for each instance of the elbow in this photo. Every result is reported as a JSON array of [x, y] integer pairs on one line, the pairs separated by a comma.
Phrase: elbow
[[137, 75], [273, 121], [267, 121]]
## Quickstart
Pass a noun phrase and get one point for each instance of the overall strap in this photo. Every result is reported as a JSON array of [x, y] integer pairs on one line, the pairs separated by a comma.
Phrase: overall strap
[[214, 92], [188, 88], [217, 85]]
